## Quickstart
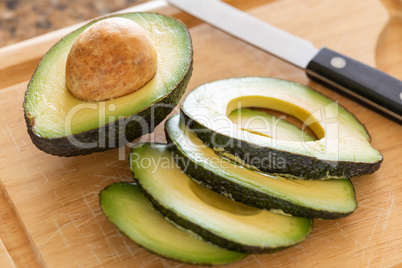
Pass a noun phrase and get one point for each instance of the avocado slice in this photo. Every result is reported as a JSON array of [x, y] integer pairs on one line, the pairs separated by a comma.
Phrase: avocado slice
[[342, 150], [325, 199], [269, 125], [126, 207], [63, 125], [218, 219]]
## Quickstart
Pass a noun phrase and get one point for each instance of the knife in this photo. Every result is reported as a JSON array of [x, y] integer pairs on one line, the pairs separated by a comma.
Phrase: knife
[[376, 89]]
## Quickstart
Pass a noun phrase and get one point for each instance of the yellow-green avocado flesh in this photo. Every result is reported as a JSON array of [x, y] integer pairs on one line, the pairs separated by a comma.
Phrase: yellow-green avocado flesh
[[52, 114], [342, 150], [325, 199], [126, 207], [264, 124], [216, 218]]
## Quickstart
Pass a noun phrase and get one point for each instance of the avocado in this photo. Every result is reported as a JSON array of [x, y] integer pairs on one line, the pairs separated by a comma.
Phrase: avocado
[[61, 124], [342, 150], [218, 219], [325, 199], [269, 125], [126, 207]]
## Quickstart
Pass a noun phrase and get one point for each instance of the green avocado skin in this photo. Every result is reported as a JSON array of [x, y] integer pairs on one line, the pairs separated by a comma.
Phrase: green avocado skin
[[241, 193], [114, 134], [205, 234], [296, 166]]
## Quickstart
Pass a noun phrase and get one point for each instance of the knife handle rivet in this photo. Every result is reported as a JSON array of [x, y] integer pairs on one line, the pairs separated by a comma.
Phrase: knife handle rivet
[[338, 62]]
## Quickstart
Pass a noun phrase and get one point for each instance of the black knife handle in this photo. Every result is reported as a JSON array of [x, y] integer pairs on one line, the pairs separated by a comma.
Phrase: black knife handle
[[369, 85]]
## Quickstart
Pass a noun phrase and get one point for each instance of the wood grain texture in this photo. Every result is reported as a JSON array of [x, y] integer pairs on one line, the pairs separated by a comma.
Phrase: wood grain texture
[[17, 249], [56, 199], [5, 259]]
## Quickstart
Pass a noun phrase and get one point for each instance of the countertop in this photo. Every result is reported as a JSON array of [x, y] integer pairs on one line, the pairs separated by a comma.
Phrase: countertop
[[22, 19]]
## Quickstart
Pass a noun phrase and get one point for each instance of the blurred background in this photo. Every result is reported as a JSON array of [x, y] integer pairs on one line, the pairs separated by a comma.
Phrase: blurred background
[[23, 19]]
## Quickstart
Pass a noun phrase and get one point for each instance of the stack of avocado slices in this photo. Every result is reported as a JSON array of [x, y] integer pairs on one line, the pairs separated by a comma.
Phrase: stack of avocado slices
[[210, 183]]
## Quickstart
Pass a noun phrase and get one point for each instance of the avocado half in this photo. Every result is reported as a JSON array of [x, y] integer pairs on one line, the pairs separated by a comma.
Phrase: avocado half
[[126, 206], [62, 125], [324, 199], [214, 217], [342, 150]]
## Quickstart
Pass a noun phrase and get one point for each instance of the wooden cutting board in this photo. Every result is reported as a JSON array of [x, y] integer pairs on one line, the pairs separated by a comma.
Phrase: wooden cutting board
[[49, 207]]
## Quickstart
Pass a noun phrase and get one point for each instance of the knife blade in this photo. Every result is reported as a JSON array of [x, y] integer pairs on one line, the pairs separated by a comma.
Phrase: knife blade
[[368, 85]]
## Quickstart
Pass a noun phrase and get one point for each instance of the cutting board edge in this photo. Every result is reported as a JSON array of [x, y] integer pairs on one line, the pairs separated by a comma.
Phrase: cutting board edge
[[38, 256]]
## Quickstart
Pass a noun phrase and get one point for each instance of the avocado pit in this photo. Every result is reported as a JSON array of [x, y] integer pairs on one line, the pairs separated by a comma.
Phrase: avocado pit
[[112, 58]]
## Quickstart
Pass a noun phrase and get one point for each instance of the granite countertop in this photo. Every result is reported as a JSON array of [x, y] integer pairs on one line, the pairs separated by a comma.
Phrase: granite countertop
[[24, 19]]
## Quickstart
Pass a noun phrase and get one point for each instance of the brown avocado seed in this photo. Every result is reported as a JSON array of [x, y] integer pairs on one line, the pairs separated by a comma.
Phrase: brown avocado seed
[[112, 58]]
